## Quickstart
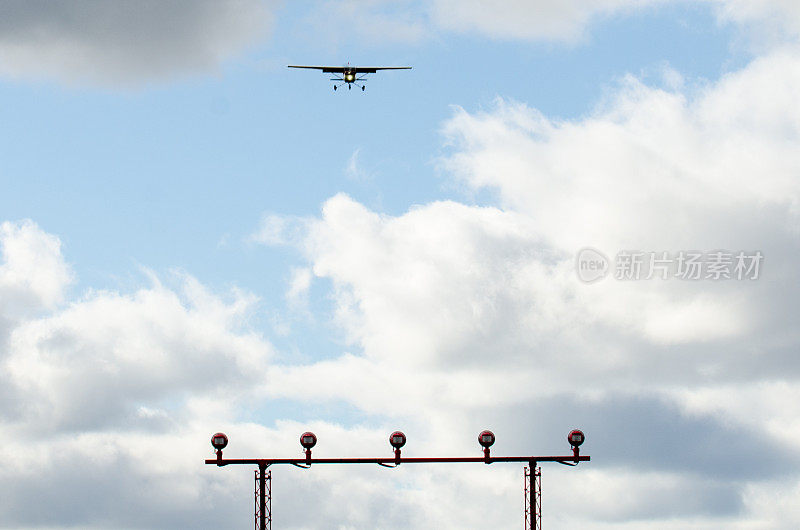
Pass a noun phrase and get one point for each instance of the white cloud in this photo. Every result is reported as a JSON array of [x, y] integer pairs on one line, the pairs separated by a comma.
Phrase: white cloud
[[712, 157], [657, 171], [299, 285], [742, 403], [33, 274], [370, 21], [770, 22], [442, 283], [278, 230], [125, 42], [568, 20], [412, 21], [775, 503], [522, 19], [773, 20], [113, 385], [355, 169], [103, 358]]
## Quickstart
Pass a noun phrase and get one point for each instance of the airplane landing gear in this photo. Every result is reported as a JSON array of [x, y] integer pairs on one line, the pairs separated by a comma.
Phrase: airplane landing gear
[[349, 87], [363, 87], [334, 87]]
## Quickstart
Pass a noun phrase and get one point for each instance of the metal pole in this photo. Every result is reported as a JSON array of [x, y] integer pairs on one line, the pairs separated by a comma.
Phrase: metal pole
[[527, 500], [269, 500], [532, 495], [262, 496]]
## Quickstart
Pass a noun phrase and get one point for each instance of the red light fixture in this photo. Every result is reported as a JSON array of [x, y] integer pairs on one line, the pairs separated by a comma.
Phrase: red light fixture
[[575, 439], [397, 440], [486, 439], [308, 440]]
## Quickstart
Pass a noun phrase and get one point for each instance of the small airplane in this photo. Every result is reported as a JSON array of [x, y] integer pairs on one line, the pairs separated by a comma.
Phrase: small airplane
[[351, 75]]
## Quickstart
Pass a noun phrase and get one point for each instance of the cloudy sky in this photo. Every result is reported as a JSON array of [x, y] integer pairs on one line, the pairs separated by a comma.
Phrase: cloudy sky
[[195, 239]]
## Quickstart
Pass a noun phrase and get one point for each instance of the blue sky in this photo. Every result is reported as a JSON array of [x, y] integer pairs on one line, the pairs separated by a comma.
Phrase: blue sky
[[176, 174], [186, 167], [193, 232]]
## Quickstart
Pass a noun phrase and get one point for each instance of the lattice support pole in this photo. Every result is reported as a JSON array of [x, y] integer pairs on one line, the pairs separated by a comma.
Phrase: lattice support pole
[[263, 498], [533, 497]]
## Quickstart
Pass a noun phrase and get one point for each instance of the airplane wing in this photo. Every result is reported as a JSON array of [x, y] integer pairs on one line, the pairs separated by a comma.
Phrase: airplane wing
[[373, 69], [325, 69], [356, 69]]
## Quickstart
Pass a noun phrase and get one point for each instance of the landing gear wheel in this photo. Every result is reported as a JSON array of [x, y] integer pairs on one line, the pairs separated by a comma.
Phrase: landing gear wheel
[[334, 88], [363, 88], [349, 87]]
